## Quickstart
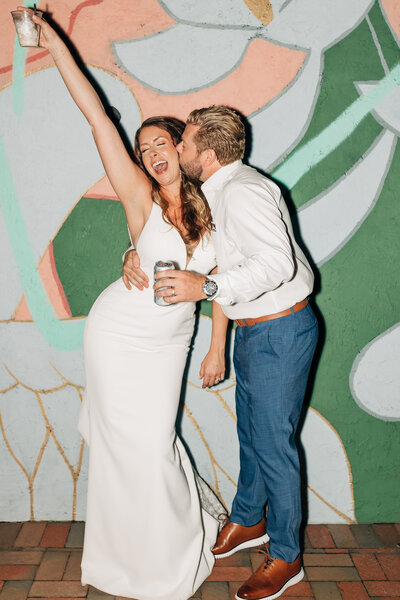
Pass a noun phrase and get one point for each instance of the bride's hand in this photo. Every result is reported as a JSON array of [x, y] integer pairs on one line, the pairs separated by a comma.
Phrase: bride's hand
[[212, 369], [49, 39]]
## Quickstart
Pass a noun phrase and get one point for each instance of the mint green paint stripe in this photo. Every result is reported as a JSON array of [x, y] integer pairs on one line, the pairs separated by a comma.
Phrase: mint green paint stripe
[[332, 136], [62, 335], [18, 74], [18, 77]]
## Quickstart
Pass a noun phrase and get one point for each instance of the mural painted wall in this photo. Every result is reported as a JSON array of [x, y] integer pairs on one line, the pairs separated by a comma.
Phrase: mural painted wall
[[319, 83]]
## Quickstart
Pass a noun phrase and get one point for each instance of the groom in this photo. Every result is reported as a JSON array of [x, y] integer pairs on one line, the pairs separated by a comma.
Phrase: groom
[[263, 282]]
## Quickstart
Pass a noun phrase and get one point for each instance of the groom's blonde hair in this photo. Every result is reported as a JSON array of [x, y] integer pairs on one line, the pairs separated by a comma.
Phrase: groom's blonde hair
[[220, 128]]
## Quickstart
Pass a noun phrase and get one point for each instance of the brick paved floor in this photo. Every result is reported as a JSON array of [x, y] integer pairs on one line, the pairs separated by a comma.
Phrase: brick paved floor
[[342, 562]]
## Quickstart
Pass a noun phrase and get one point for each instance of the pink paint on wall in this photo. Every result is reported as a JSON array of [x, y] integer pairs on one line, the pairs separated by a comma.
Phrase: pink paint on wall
[[54, 290], [272, 67], [392, 10], [102, 189], [110, 20], [7, 37]]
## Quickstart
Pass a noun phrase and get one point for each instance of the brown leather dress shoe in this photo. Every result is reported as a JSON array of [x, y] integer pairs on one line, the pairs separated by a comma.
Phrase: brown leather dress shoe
[[271, 579], [234, 537]]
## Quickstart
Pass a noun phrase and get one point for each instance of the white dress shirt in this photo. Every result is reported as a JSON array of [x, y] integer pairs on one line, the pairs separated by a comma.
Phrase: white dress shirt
[[261, 269]]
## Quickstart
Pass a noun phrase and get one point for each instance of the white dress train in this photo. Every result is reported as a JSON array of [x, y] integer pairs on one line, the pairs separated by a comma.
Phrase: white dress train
[[147, 535]]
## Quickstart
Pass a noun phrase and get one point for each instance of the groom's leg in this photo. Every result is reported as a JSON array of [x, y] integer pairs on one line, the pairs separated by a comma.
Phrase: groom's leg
[[279, 357], [248, 506], [246, 525], [281, 352]]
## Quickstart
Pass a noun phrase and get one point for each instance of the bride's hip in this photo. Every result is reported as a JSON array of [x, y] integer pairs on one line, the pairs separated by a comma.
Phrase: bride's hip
[[132, 317]]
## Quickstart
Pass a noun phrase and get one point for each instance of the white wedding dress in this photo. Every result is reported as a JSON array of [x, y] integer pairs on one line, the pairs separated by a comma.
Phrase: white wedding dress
[[147, 535]]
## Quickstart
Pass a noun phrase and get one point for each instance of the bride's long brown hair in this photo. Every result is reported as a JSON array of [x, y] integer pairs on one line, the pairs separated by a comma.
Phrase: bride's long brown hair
[[196, 214]]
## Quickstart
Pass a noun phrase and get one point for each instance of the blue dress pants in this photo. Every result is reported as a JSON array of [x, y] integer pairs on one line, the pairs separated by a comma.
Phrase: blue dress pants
[[272, 363]]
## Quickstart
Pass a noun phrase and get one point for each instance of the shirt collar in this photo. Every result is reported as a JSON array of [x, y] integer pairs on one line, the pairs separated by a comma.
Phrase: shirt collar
[[218, 178]]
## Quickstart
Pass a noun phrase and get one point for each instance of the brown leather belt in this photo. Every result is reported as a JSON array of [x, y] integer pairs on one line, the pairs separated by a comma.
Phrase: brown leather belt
[[284, 313]]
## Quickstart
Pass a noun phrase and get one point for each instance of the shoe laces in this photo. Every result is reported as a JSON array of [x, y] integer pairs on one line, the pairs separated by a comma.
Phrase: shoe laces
[[223, 520], [268, 558]]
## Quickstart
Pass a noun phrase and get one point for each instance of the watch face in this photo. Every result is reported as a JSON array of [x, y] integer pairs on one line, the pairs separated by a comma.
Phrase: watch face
[[210, 287]]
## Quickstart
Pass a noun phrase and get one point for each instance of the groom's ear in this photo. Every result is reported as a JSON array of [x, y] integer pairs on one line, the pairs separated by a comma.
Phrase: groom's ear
[[209, 157]]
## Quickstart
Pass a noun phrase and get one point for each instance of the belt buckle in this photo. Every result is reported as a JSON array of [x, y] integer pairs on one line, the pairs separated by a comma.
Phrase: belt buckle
[[250, 322]]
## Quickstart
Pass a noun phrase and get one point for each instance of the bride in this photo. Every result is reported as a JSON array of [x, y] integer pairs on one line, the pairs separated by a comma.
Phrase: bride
[[147, 535]]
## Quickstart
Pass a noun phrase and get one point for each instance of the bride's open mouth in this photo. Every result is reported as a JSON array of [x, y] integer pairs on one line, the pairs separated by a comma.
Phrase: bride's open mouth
[[160, 166]]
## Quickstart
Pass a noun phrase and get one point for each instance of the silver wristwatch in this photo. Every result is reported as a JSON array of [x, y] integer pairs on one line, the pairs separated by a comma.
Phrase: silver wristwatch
[[210, 288]]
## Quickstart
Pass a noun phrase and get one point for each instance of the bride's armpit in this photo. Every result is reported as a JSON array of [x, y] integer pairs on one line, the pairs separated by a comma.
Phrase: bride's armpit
[[137, 220]]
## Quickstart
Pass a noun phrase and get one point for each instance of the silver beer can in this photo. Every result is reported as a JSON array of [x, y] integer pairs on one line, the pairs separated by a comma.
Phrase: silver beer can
[[162, 265]]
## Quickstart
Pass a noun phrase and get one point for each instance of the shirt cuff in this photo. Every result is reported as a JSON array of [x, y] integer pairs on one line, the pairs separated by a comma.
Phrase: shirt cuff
[[131, 247], [222, 296]]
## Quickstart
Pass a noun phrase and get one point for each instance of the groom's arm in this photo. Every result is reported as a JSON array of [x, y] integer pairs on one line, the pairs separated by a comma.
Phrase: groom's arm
[[187, 286], [254, 221]]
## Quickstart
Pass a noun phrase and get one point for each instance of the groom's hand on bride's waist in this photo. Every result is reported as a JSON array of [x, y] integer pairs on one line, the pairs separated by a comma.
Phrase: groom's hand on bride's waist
[[132, 274], [182, 286]]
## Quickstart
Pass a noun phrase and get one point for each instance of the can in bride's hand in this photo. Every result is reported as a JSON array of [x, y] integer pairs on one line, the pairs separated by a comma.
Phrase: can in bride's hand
[[162, 265]]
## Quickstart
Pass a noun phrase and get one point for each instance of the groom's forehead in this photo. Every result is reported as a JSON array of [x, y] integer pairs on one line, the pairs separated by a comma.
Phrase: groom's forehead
[[189, 132]]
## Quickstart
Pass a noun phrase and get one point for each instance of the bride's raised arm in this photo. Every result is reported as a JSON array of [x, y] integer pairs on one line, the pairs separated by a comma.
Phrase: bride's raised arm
[[128, 180]]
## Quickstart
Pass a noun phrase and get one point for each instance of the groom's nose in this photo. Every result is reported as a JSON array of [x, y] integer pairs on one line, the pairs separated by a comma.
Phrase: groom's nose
[[179, 147]]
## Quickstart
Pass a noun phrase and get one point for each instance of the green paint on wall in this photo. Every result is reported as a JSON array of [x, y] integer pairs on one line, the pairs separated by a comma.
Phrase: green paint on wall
[[88, 250], [359, 292], [205, 308], [361, 271], [358, 301], [353, 59]]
